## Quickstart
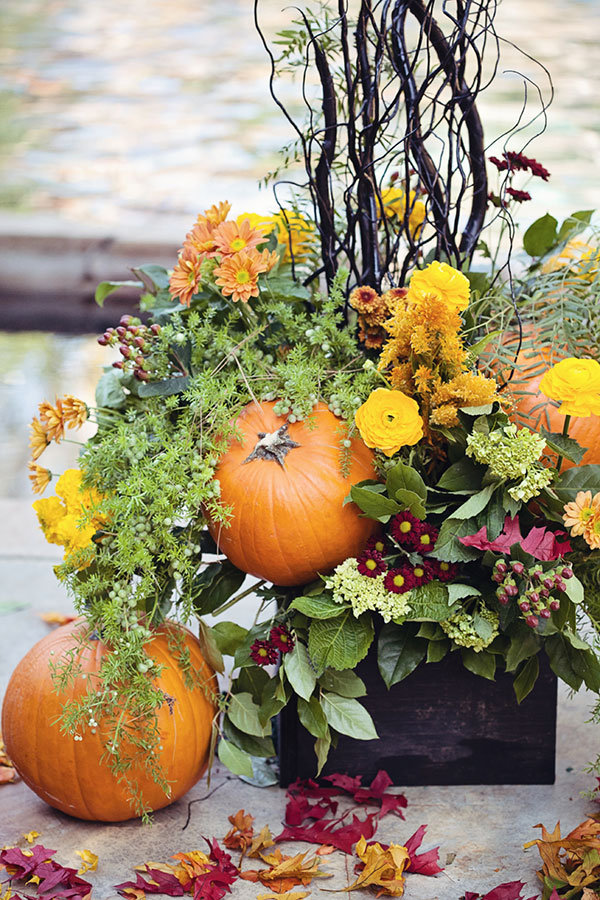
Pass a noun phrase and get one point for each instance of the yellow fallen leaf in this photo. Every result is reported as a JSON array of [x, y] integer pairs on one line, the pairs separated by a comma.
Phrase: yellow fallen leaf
[[382, 868], [7, 894], [289, 895], [89, 860], [56, 618], [35, 879], [261, 841], [31, 836]]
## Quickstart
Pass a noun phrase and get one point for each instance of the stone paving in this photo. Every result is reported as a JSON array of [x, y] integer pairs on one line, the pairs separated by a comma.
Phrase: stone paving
[[480, 830]]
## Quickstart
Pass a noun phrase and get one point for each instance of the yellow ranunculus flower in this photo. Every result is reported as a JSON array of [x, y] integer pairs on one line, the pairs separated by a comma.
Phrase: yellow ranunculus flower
[[388, 420], [50, 511], [442, 279], [575, 384], [394, 204]]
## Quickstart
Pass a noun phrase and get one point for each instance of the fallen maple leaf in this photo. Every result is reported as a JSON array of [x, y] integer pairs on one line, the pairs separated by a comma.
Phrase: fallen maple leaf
[[56, 618], [261, 841], [573, 860], [161, 883], [510, 890], [422, 863], [289, 895], [37, 867], [240, 836], [381, 868], [332, 832], [285, 872]]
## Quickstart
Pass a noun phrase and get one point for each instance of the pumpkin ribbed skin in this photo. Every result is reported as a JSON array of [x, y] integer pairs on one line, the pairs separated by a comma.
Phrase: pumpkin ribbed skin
[[68, 774], [289, 522], [585, 430]]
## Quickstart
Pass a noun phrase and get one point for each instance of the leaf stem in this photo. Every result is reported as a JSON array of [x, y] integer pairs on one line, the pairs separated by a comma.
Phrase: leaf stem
[[565, 432]]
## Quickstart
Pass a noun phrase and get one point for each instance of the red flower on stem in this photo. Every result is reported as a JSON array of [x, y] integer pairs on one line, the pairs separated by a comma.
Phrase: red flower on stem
[[282, 638], [263, 653], [399, 580], [371, 563]]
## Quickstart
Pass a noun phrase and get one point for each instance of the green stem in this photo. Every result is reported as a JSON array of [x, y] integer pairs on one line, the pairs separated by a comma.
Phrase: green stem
[[565, 432], [235, 599]]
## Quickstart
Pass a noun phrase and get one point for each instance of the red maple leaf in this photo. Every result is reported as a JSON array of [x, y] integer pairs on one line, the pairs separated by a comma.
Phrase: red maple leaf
[[165, 884], [330, 831], [541, 543], [62, 881], [422, 863]]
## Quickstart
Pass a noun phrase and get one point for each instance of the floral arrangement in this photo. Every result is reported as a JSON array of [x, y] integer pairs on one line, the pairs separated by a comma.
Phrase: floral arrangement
[[461, 522]]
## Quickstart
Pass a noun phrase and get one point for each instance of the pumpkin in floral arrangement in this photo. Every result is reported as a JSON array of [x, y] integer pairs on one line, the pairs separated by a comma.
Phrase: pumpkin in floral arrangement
[[286, 484], [72, 771]]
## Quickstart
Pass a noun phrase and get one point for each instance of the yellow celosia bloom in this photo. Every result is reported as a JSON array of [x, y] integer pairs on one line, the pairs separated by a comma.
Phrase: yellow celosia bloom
[[575, 384], [388, 420], [394, 204], [443, 281]]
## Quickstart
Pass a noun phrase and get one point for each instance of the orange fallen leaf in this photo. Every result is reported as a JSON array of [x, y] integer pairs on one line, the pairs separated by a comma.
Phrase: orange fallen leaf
[[193, 863], [289, 895], [7, 774], [325, 850], [56, 618], [573, 859], [382, 869], [285, 872], [240, 836]]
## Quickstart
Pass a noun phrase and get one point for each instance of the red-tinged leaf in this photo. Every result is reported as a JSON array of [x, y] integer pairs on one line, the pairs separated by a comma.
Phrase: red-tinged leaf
[[222, 859], [510, 890], [344, 782], [422, 863], [214, 884], [553, 895], [165, 884], [26, 864], [343, 837], [299, 808], [541, 543], [310, 788], [471, 896]]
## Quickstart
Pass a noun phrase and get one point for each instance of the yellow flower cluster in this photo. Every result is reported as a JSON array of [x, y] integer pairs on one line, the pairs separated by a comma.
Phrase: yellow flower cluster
[[581, 258], [293, 231], [575, 384], [65, 519], [394, 204], [425, 355], [582, 516]]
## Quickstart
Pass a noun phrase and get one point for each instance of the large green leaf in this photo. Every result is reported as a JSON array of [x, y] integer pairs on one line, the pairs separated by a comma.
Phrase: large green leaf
[[346, 683], [349, 717], [109, 287], [561, 656], [215, 585], [243, 712], [403, 477], [399, 653], [109, 392], [255, 746], [209, 647], [252, 680], [583, 478], [412, 502], [526, 679], [564, 445], [374, 504], [475, 504], [462, 477], [165, 388], [575, 223], [229, 636], [574, 590], [300, 671], [480, 663], [321, 607], [524, 643], [448, 547], [541, 236], [430, 603], [235, 759], [341, 642], [313, 718]]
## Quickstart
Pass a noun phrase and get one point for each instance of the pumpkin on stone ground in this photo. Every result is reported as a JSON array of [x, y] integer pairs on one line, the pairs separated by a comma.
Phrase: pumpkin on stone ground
[[535, 409], [285, 485], [68, 774]]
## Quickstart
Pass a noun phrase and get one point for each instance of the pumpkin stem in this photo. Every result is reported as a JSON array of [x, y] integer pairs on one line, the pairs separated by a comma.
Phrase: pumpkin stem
[[273, 446]]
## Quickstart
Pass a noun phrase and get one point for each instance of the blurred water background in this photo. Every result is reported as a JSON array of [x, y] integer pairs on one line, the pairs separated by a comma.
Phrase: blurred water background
[[136, 116]]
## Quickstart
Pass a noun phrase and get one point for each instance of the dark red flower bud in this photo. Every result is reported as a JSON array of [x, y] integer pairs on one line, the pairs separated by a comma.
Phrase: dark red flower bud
[[532, 621], [533, 596], [133, 329], [544, 592], [139, 361], [118, 364], [548, 583], [139, 342], [500, 566], [141, 375], [121, 331], [125, 351], [125, 320], [102, 341], [155, 329], [503, 599], [561, 585], [498, 577]]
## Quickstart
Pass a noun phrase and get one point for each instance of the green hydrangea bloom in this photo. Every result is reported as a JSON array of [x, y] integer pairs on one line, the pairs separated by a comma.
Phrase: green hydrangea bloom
[[512, 453], [476, 631], [365, 593]]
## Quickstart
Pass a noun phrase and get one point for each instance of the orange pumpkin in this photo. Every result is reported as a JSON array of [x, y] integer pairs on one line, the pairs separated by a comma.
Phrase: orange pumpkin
[[536, 409], [68, 774], [286, 488]]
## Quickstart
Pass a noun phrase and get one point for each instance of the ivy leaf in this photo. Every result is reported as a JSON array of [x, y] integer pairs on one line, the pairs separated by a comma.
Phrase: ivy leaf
[[541, 236], [300, 671], [398, 653], [321, 607], [564, 445], [348, 716], [373, 504], [526, 679], [346, 683], [482, 663], [235, 759], [341, 642]]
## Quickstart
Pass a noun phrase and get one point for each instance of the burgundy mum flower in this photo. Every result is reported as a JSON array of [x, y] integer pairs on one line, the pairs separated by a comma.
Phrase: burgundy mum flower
[[422, 572], [282, 638], [263, 653], [425, 536], [501, 164], [371, 563], [379, 544], [519, 196], [520, 162], [443, 571], [402, 529], [399, 580]]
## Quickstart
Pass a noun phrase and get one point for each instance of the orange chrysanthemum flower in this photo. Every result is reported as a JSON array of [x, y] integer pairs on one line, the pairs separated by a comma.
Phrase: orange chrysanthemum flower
[[185, 277], [75, 411], [53, 420], [39, 477], [216, 214], [581, 511], [231, 237], [268, 258], [201, 240], [237, 276], [39, 439]]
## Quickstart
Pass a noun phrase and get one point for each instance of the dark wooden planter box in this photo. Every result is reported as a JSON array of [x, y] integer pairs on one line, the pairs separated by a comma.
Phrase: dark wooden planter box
[[441, 725]]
